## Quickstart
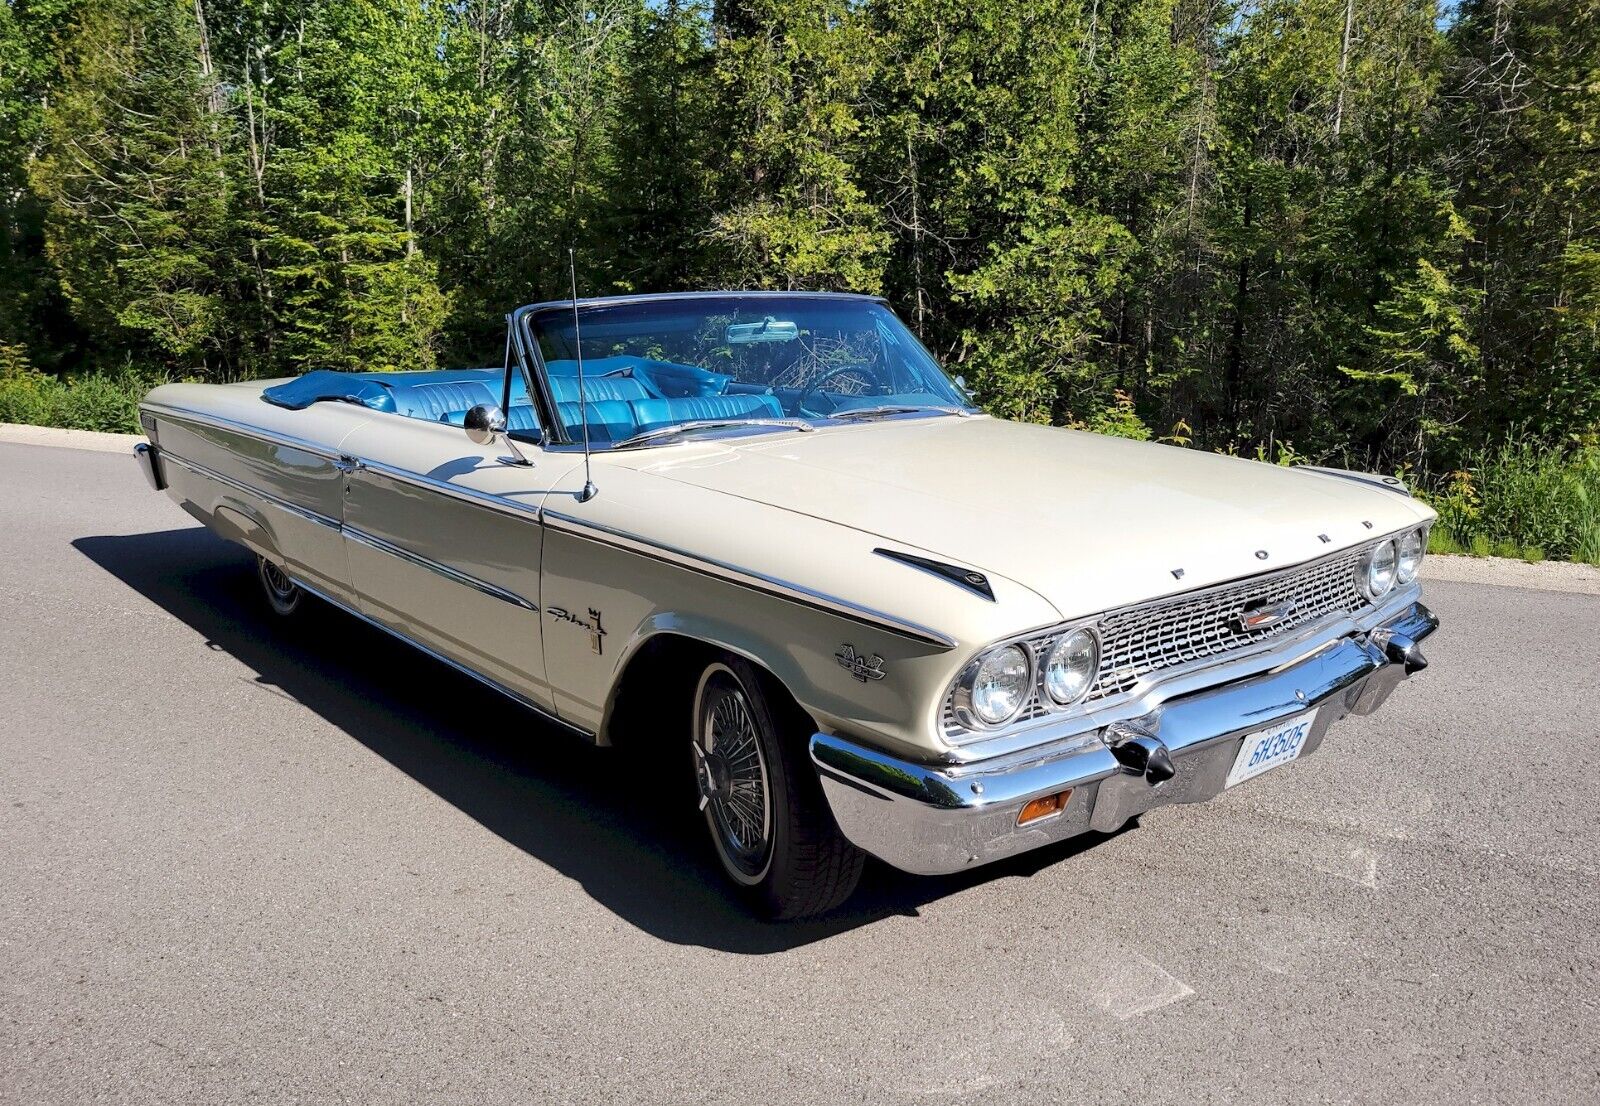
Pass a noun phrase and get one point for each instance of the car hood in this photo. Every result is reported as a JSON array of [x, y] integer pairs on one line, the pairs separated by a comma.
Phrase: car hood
[[1088, 522]]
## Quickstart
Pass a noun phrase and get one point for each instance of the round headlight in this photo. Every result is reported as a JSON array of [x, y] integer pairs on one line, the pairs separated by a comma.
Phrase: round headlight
[[1000, 685], [1410, 556], [1071, 666], [1381, 564]]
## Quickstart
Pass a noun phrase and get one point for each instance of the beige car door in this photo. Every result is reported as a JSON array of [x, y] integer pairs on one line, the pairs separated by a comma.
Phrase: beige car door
[[445, 541]]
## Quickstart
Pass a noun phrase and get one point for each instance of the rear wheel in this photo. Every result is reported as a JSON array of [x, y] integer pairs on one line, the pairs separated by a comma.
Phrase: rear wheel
[[284, 596], [770, 825]]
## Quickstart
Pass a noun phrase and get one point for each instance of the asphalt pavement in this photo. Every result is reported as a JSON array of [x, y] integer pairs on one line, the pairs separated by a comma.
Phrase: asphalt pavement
[[240, 862]]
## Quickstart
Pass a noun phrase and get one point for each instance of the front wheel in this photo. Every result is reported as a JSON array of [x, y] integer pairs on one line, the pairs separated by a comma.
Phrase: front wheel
[[769, 823]]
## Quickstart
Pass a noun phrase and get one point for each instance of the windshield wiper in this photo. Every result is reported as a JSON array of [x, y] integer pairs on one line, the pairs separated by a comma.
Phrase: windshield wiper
[[709, 424], [886, 409]]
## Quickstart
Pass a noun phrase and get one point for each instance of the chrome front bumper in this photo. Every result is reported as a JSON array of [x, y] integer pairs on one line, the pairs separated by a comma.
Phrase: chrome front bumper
[[933, 819]]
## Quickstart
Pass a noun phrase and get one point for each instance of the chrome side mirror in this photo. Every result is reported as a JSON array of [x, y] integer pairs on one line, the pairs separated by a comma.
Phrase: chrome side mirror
[[484, 423]]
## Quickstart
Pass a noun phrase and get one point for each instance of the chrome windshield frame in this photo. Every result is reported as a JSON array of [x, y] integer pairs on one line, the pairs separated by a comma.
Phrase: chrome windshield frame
[[530, 360]]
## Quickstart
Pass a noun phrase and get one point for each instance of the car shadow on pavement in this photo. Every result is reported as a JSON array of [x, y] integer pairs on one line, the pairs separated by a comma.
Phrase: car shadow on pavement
[[616, 824]]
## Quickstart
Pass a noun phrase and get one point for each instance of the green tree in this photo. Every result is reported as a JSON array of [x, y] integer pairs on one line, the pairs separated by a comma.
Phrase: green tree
[[790, 78], [1526, 132], [353, 288], [1008, 269], [131, 173]]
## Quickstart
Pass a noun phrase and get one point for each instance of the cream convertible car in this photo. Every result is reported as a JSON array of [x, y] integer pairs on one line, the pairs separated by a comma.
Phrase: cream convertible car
[[873, 619]]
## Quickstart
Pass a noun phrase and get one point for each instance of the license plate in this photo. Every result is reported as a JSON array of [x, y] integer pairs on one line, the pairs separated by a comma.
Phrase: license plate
[[1266, 749]]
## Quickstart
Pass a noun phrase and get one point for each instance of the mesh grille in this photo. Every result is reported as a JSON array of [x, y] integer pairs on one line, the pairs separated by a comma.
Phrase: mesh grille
[[1137, 642], [1142, 640]]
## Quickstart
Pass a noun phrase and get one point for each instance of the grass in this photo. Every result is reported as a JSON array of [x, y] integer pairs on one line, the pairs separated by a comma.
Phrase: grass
[[91, 401], [1524, 501]]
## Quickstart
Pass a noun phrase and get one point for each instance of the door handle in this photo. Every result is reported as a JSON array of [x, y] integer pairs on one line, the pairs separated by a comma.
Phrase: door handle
[[347, 464]]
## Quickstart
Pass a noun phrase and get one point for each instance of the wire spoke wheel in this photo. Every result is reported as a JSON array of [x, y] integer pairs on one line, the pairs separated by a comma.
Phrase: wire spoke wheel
[[283, 594], [732, 776]]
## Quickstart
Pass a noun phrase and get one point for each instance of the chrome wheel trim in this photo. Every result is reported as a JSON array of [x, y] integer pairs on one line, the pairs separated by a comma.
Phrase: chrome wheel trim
[[731, 775], [282, 592]]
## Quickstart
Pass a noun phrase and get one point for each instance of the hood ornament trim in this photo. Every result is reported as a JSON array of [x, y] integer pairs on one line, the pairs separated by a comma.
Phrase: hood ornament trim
[[966, 578]]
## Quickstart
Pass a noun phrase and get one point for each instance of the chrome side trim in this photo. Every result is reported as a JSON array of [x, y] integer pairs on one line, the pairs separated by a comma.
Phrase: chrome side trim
[[495, 685], [217, 422], [489, 500], [228, 481], [444, 570], [357, 535], [748, 578]]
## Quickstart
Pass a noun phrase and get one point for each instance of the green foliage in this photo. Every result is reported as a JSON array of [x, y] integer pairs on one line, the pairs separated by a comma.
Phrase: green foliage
[[94, 401], [1367, 227], [1119, 420], [131, 171], [790, 77], [1519, 499]]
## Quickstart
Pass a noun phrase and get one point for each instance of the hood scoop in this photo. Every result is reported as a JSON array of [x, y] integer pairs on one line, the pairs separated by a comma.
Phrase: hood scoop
[[975, 582]]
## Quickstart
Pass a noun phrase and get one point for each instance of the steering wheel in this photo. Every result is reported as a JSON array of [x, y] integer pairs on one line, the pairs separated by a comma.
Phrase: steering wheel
[[860, 371]]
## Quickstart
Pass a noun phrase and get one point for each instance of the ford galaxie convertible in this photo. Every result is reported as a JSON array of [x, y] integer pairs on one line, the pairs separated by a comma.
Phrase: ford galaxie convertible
[[768, 530]]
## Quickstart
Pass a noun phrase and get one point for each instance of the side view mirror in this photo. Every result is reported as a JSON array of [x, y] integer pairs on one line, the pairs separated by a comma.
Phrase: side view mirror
[[484, 423]]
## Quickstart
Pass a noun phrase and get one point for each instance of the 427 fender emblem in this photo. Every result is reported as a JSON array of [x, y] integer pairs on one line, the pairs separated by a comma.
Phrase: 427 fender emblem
[[861, 667]]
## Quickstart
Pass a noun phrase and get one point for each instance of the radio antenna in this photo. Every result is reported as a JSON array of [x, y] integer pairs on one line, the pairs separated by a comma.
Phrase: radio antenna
[[589, 490]]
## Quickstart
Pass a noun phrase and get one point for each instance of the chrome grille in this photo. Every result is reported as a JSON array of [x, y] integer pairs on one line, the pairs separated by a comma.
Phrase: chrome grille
[[1138, 642]]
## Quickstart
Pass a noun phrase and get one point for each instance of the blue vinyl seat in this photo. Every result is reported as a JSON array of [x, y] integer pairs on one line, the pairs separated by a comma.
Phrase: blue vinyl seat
[[597, 388], [651, 413]]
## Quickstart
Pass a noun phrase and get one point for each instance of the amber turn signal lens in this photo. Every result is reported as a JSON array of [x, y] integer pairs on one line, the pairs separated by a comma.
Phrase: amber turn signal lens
[[1044, 807]]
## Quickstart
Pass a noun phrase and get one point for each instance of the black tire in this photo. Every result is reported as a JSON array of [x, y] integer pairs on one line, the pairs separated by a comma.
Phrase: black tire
[[284, 597], [802, 865]]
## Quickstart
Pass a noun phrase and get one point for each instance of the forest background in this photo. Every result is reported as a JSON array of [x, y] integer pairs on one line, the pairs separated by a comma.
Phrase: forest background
[[1359, 232]]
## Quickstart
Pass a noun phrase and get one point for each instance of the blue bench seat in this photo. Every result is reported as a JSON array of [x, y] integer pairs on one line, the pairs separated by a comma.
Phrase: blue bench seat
[[622, 399]]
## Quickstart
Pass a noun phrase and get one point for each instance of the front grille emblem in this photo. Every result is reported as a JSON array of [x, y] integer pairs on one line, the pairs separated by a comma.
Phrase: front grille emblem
[[1260, 615]]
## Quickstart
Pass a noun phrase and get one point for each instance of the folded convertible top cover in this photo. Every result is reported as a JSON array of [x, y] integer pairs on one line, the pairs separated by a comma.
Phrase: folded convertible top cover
[[324, 384]]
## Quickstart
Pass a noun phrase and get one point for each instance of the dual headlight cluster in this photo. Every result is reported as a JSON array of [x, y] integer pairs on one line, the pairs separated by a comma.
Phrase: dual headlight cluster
[[1059, 670], [996, 685], [1391, 562]]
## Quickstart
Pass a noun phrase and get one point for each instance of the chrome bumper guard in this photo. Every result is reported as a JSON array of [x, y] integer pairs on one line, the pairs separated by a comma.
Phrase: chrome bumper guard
[[934, 819]]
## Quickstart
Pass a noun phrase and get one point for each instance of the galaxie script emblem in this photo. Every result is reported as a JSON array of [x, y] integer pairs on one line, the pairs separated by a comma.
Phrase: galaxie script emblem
[[862, 668], [1261, 614], [592, 623]]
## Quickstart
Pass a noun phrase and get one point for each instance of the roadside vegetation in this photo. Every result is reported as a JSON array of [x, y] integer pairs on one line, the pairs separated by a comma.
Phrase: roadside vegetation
[[1357, 232], [1522, 500], [95, 400]]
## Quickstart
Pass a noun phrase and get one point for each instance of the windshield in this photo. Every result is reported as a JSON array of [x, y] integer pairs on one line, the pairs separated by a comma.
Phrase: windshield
[[720, 360]]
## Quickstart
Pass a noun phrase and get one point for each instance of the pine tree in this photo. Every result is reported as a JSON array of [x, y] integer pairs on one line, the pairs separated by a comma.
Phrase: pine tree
[[354, 289], [790, 79], [135, 189], [979, 158]]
